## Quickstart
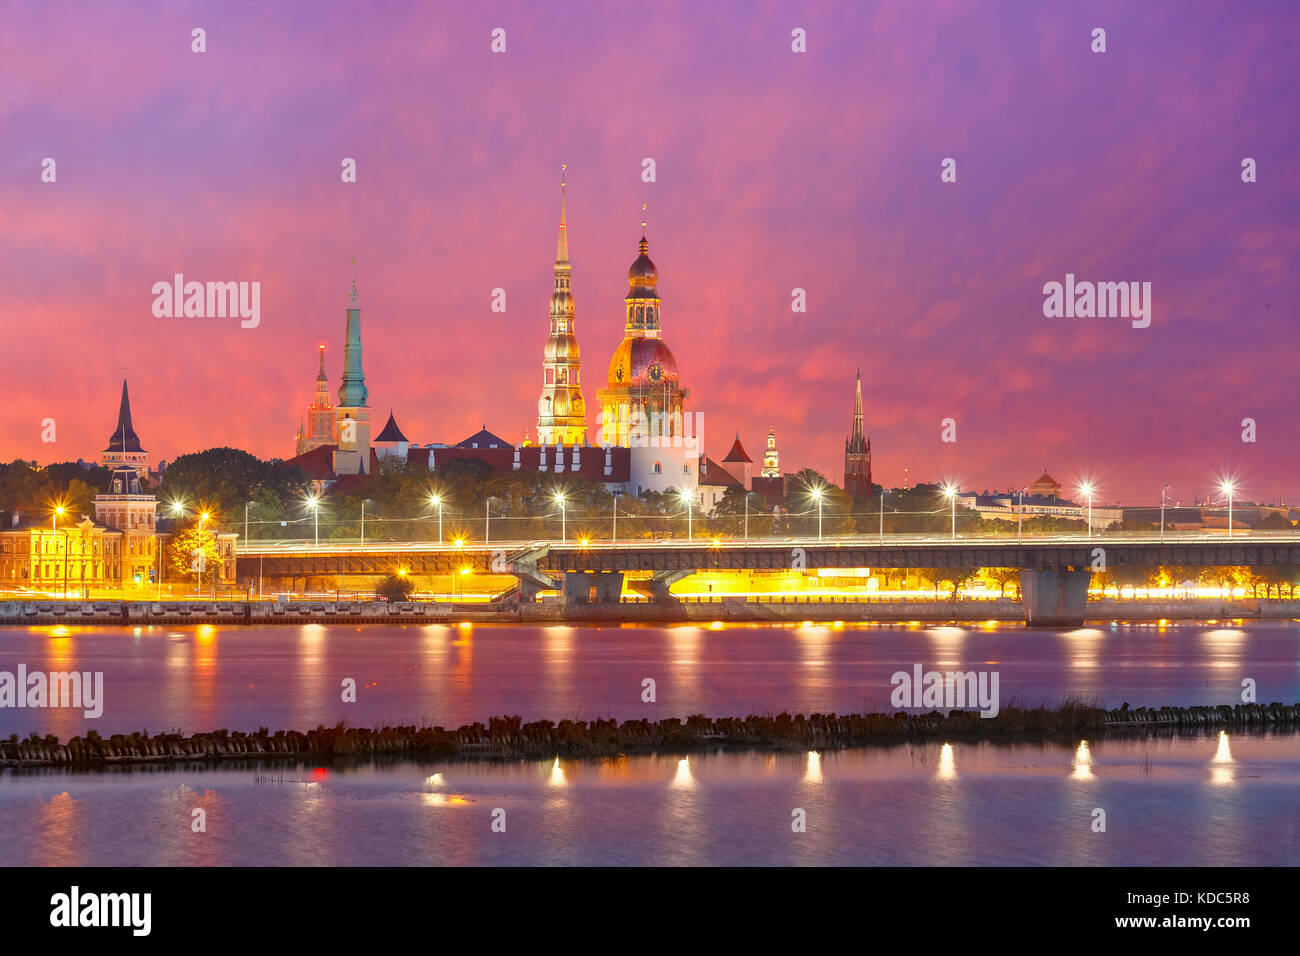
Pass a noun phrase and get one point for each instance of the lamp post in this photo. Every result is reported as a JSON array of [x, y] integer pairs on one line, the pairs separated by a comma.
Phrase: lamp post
[[1086, 488], [1227, 488], [559, 499], [817, 497], [614, 537], [363, 523], [487, 520], [436, 501], [1162, 512], [882, 514], [1020, 515], [246, 504], [54, 517], [314, 505], [198, 575], [747, 517], [951, 492], [690, 500]]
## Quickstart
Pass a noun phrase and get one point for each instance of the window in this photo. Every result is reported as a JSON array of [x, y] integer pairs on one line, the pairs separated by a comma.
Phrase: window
[[658, 468]]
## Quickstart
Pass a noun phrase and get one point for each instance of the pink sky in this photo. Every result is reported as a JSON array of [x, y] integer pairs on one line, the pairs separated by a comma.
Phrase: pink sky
[[775, 170]]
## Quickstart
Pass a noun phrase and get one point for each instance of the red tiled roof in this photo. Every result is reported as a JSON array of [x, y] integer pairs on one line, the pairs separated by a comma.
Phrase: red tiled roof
[[737, 454], [711, 473]]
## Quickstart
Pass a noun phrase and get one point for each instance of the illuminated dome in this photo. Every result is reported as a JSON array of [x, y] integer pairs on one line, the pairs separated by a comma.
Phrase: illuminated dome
[[642, 361], [643, 277]]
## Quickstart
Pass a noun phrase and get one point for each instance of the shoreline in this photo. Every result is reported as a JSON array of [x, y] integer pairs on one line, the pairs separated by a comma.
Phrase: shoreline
[[507, 738], [723, 609]]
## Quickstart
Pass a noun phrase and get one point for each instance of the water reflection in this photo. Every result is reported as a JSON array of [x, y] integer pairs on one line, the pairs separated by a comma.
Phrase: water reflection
[[1082, 762], [813, 773]]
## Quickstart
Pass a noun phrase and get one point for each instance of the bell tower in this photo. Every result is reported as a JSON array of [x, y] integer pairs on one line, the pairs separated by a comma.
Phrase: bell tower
[[352, 416]]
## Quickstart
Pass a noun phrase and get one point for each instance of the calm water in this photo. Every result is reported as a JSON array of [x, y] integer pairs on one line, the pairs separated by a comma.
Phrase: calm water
[[204, 678], [1191, 800], [1201, 801]]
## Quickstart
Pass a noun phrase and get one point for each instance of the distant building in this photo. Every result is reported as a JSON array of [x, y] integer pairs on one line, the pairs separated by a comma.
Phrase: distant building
[[1045, 486], [857, 452], [130, 509], [739, 463], [81, 555], [1010, 506], [713, 483], [318, 429], [771, 457]]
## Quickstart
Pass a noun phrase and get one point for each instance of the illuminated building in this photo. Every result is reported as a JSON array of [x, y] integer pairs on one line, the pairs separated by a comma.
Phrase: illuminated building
[[561, 414], [857, 453], [127, 507], [80, 555], [771, 457], [643, 404], [318, 429]]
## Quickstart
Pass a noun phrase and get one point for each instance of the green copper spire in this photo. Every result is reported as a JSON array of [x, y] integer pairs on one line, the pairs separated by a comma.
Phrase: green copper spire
[[353, 392]]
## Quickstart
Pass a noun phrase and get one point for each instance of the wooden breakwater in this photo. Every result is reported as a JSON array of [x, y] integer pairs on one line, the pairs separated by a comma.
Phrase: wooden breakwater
[[510, 738], [721, 608]]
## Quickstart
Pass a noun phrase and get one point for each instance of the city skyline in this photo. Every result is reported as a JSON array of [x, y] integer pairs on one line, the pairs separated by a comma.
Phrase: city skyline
[[812, 174]]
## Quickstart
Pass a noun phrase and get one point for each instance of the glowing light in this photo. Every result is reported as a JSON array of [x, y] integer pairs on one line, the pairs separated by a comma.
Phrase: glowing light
[[585, 541], [435, 780], [1082, 762], [465, 570], [949, 490], [1223, 754], [813, 772], [460, 542], [947, 763], [683, 777], [557, 774], [715, 626]]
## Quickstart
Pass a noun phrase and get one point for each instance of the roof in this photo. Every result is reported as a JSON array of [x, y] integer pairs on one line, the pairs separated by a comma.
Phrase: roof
[[711, 473], [391, 432], [317, 463], [124, 438], [1046, 479], [737, 453], [485, 439]]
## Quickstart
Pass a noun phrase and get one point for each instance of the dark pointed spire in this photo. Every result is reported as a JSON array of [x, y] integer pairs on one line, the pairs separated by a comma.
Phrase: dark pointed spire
[[857, 442], [124, 438]]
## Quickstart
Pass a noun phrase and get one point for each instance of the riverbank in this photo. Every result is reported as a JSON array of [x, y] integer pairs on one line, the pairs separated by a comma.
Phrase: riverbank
[[725, 609], [507, 738]]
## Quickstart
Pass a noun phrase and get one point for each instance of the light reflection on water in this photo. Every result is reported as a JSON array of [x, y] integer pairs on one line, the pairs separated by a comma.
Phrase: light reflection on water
[[908, 804], [204, 677]]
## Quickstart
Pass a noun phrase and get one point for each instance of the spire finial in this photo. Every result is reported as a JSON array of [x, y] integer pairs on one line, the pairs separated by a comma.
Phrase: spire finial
[[353, 293], [643, 220]]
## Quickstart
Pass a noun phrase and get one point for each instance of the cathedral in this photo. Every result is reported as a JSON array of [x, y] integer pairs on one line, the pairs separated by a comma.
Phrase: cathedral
[[857, 453]]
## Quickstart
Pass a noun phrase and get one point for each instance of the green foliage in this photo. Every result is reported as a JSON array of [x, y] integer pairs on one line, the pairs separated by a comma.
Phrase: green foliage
[[193, 552]]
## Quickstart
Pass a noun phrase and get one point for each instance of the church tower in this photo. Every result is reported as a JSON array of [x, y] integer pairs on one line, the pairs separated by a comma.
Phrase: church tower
[[561, 414], [319, 427], [352, 416], [124, 445], [771, 457], [857, 453]]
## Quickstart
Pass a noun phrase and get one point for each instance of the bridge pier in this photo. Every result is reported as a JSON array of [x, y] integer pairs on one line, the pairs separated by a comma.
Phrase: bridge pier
[[593, 587], [1054, 598]]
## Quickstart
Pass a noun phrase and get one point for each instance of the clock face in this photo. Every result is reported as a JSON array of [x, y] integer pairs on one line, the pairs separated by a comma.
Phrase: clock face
[[618, 373], [656, 372]]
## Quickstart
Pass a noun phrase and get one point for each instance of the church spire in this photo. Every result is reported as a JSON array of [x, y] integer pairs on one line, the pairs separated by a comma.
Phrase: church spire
[[124, 438], [562, 246], [858, 435], [353, 392]]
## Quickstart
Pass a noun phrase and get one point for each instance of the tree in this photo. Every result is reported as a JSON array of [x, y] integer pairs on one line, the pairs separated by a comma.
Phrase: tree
[[1274, 522], [1002, 577], [394, 587], [194, 552]]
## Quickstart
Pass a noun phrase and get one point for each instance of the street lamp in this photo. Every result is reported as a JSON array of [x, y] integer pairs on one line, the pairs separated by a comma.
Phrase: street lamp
[[363, 523], [314, 504], [487, 520], [1227, 488], [817, 497], [559, 499], [1162, 512], [1086, 488], [690, 500], [436, 501], [1020, 515], [950, 492], [55, 516], [614, 538]]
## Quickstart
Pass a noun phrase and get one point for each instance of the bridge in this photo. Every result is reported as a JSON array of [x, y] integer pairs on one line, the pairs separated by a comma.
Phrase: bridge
[[1054, 571]]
